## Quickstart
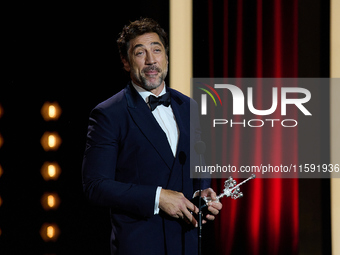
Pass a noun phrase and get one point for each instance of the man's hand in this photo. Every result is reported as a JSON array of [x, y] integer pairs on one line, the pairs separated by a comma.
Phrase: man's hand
[[215, 206], [176, 205]]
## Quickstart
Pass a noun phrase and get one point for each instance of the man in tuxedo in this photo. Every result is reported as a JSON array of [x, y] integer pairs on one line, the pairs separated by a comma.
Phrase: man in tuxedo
[[136, 158]]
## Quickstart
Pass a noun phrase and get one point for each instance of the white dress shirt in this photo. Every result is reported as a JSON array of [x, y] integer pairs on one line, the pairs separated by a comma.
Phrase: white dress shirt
[[166, 120]]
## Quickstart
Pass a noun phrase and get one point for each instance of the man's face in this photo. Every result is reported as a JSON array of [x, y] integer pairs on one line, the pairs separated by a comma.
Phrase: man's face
[[148, 62]]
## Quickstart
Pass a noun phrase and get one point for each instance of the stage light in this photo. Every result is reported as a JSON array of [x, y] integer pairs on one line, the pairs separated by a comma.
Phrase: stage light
[[1, 141], [1, 171], [50, 171], [0, 201], [51, 111], [50, 201], [49, 232], [50, 141]]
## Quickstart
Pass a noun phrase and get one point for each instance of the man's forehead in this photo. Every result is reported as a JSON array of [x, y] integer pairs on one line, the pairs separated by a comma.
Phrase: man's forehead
[[146, 39]]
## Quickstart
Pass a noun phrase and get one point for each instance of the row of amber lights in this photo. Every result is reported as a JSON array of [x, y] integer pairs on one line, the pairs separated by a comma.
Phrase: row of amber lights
[[1, 143], [50, 141]]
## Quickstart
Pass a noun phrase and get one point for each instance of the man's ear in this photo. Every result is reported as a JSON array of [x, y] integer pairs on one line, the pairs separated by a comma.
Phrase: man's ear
[[126, 64]]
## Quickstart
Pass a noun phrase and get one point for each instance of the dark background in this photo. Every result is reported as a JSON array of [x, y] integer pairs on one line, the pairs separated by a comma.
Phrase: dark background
[[64, 52]]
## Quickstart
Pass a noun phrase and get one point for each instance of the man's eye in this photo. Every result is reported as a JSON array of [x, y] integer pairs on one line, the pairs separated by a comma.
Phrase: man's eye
[[139, 53]]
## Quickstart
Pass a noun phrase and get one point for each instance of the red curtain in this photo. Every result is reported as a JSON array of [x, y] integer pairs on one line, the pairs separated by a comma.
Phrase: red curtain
[[260, 40]]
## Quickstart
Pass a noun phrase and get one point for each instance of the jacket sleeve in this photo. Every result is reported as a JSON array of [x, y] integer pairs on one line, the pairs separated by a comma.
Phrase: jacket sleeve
[[99, 167]]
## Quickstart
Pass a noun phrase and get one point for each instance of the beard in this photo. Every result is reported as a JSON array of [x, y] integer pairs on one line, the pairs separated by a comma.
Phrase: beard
[[143, 80]]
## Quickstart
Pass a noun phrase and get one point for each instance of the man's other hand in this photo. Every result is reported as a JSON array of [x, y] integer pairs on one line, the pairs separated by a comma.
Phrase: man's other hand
[[177, 205]]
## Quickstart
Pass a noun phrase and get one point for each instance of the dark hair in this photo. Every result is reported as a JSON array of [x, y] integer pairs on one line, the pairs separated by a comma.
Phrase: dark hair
[[137, 28]]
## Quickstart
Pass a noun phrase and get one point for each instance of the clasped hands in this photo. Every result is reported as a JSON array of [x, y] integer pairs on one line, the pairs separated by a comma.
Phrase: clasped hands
[[177, 205]]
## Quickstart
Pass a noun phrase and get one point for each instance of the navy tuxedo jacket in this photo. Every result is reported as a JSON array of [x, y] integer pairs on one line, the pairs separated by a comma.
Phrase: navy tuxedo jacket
[[127, 157]]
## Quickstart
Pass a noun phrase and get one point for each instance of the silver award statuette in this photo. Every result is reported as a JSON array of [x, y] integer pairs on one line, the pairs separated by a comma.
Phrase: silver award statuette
[[230, 190]]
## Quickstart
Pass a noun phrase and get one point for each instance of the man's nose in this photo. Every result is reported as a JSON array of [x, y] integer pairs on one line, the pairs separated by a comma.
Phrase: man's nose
[[150, 58]]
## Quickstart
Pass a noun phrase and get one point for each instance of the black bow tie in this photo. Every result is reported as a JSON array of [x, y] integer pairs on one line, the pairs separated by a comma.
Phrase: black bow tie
[[156, 101]]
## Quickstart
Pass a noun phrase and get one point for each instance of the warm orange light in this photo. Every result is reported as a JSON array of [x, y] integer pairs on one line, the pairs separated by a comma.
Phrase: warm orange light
[[51, 111], [0, 201], [50, 201], [50, 141], [1, 141], [49, 232], [1, 171], [50, 171]]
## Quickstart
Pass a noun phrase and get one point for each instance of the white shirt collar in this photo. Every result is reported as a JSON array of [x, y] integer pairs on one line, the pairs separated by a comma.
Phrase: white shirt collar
[[145, 94]]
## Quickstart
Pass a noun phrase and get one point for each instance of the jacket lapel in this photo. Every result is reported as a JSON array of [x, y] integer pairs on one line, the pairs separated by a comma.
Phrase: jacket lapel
[[148, 125], [182, 155]]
